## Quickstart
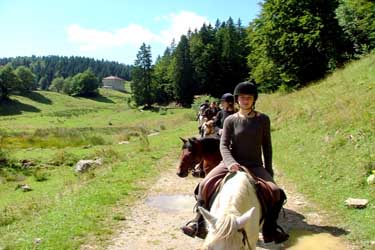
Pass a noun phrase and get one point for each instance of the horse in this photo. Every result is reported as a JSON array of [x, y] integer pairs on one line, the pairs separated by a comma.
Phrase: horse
[[233, 220], [195, 151], [209, 129]]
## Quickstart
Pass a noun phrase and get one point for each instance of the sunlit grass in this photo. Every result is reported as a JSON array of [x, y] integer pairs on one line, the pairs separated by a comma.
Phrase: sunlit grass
[[54, 131], [324, 141]]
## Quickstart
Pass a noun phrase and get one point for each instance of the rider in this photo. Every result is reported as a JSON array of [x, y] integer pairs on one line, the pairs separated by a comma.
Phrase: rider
[[246, 137], [211, 112], [227, 103], [202, 109]]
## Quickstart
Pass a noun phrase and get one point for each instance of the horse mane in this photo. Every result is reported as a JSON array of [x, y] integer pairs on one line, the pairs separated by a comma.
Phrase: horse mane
[[210, 144], [226, 225]]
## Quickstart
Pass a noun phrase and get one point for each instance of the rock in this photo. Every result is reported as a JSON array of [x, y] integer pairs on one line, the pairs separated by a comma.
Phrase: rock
[[371, 179], [356, 203], [84, 165], [24, 187], [124, 142]]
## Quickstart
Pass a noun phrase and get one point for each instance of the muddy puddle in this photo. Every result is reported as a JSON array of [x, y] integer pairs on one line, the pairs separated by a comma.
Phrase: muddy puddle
[[171, 203], [308, 240]]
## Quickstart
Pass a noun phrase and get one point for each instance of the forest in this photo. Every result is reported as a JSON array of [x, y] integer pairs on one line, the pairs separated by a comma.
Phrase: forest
[[289, 45]]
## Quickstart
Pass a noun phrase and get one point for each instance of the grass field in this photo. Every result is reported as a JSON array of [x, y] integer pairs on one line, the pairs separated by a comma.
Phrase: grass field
[[323, 137], [65, 208], [324, 142]]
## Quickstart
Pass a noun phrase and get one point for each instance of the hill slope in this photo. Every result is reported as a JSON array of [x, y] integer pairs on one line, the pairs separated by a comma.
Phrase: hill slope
[[324, 142]]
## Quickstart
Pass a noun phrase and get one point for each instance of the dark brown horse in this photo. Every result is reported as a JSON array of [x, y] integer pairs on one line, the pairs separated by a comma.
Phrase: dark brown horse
[[204, 151]]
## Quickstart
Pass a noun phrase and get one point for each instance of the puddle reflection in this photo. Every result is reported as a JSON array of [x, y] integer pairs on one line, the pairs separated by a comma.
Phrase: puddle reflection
[[172, 203]]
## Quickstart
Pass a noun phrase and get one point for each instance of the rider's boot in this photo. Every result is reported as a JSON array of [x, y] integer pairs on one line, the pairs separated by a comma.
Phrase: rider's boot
[[272, 231], [196, 227]]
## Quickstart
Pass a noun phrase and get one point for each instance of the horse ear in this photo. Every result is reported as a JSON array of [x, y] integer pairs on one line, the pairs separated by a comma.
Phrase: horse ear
[[241, 221], [211, 220], [183, 140]]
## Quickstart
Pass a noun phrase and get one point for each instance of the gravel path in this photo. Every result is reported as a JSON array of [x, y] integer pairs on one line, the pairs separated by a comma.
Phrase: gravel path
[[155, 221]]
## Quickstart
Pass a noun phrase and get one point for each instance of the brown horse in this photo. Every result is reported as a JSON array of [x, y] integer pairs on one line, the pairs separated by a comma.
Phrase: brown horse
[[194, 151]]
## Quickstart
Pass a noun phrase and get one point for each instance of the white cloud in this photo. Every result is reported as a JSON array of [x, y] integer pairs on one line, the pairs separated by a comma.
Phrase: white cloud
[[91, 39], [134, 34], [180, 24]]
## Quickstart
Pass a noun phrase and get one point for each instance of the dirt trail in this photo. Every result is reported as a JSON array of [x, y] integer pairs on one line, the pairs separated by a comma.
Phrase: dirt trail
[[154, 222]]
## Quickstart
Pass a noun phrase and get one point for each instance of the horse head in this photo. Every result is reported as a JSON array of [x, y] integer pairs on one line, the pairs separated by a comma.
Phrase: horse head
[[208, 128], [233, 221], [190, 156]]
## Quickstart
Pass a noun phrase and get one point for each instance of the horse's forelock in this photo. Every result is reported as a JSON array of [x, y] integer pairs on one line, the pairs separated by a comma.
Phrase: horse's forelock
[[189, 144], [225, 228]]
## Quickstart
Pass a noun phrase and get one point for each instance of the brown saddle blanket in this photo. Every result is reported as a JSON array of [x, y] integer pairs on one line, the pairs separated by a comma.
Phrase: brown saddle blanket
[[265, 194]]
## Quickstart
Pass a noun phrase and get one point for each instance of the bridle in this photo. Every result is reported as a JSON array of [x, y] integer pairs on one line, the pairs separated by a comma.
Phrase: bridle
[[197, 159], [245, 239]]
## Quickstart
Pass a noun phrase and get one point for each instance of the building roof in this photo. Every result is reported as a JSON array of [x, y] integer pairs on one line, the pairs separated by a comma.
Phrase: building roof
[[113, 78]]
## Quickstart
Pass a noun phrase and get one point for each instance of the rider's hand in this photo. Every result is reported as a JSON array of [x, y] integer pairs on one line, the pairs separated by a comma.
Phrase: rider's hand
[[234, 167]]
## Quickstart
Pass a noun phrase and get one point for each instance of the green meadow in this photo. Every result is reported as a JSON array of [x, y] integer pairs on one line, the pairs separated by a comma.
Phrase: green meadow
[[323, 137], [54, 131], [324, 143]]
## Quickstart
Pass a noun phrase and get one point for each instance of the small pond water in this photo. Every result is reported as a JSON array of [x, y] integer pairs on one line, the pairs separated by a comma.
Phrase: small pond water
[[171, 203]]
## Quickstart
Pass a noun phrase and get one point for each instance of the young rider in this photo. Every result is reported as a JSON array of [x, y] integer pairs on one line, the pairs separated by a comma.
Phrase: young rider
[[246, 137], [227, 103]]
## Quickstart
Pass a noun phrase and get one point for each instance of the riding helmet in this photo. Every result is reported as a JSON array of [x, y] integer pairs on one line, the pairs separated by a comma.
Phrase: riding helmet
[[246, 88], [227, 97]]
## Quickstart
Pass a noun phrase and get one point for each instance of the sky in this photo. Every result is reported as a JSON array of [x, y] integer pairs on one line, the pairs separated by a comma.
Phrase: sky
[[112, 30]]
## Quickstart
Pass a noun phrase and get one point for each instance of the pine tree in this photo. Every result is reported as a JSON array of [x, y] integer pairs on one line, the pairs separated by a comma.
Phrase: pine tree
[[183, 74], [142, 88]]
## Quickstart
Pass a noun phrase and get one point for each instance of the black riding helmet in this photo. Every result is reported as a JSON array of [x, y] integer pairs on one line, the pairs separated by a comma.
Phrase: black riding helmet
[[246, 88], [227, 97]]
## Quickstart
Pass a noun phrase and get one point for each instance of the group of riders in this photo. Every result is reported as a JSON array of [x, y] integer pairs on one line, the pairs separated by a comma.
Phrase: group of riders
[[209, 113], [245, 145]]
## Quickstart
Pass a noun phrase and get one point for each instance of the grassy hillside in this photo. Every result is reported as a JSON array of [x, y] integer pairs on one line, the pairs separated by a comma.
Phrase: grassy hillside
[[54, 131], [324, 142]]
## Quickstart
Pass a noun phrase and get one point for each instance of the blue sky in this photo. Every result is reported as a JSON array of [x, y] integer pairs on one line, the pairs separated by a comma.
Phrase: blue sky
[[111, 29]]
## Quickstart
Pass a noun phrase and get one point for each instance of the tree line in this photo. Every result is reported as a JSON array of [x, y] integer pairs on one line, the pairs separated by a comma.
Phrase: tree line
[[22, 81], [290, 44], [47, 68]]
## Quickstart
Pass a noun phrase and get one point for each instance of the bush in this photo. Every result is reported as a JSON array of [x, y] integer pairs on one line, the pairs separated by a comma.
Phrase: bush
[[40, 175], [62, 157]]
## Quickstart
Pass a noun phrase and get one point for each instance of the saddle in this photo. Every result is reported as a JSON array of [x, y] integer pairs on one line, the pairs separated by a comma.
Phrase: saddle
[[264, 191]]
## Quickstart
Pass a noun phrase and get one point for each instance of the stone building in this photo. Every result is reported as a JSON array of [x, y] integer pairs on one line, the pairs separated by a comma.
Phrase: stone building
[[114, 82]]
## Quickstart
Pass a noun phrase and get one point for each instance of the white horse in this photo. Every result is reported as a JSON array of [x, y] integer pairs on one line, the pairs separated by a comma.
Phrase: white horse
[[233, 221]]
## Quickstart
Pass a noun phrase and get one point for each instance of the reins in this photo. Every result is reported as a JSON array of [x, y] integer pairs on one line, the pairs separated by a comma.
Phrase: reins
[[245, 239]]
